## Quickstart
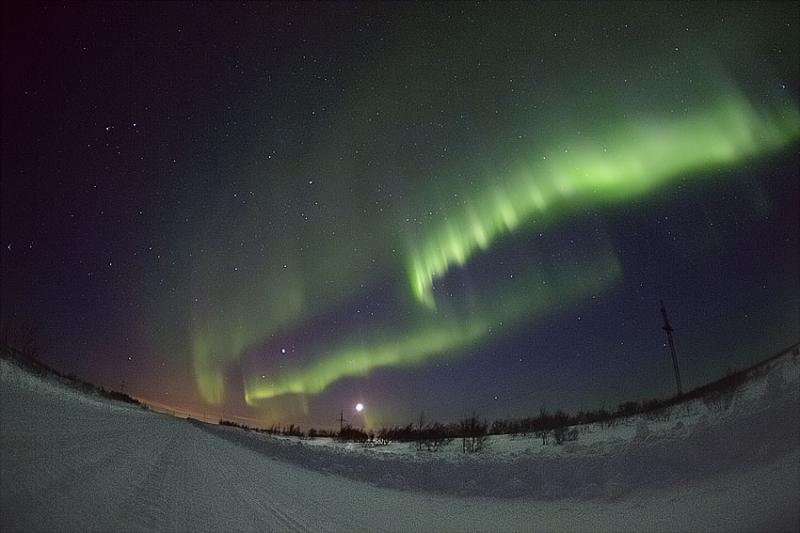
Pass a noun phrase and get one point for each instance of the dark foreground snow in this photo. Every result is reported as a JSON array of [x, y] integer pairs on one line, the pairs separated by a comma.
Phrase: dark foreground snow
[[74, 463]]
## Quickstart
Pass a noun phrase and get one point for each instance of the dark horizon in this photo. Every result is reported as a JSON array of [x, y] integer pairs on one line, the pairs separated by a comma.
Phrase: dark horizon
[[729, 382]]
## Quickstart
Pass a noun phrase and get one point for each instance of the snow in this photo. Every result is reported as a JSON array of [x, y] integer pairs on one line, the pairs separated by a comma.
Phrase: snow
[[69, 461]]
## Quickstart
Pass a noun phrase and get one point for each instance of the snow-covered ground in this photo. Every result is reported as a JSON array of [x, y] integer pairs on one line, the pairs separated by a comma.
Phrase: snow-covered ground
[[70, 462]]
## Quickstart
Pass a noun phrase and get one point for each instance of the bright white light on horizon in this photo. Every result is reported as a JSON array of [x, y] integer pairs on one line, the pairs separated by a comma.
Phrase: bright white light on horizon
[[359, 407]]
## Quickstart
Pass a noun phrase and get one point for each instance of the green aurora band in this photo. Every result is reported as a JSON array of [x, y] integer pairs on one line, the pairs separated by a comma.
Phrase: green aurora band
[[635, 159], [435, 336]]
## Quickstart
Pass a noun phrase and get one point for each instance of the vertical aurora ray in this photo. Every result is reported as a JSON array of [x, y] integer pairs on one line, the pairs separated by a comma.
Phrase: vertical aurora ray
[[630, 161], [229, 319]]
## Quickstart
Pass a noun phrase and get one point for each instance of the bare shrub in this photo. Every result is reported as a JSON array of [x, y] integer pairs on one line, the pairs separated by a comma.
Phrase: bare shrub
[[474, 434]]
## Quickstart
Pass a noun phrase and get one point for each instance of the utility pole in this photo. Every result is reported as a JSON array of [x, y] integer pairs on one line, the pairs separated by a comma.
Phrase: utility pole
[[669, 331], [341, 421]]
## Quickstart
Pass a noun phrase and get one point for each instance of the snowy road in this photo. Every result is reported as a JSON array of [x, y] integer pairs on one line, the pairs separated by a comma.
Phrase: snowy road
[[70, 463]]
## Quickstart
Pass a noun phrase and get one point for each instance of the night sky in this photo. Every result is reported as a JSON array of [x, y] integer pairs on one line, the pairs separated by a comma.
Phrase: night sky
[[274, 211]]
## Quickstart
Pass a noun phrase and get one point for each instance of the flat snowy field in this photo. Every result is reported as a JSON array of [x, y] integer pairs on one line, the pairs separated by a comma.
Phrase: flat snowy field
[[71, 462]]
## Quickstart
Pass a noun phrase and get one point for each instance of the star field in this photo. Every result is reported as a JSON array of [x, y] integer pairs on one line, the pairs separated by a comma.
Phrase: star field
[[275, 211]]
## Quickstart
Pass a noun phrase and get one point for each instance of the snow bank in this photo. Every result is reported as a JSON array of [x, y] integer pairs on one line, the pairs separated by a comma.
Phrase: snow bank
[[689, 442], [70, 462]]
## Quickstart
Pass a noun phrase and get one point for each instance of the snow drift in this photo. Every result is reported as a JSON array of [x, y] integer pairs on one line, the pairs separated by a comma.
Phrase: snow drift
[[70, 461]]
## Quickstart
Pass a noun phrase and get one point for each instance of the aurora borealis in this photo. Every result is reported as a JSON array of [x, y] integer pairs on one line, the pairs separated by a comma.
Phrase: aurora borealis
[[274, 211], [641, 158]]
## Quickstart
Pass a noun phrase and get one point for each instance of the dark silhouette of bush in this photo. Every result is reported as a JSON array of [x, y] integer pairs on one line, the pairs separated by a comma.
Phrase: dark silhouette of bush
[[397, 434], [232, 424], [428, 437], [293, 431], [323, 433], [433, 437], [351, 434], [474, 434], [21, 337]]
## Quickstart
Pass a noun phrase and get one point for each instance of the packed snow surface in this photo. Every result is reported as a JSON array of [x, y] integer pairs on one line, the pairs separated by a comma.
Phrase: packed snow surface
[[72, 462]]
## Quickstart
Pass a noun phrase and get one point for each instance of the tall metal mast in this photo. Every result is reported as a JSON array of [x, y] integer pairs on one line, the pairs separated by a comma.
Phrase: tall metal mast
[[669, 331]]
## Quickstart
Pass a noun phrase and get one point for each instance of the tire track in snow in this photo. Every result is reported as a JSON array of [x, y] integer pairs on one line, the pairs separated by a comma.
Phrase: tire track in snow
[[152, 505], [224, 467], [284, 498], [70, 476]]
